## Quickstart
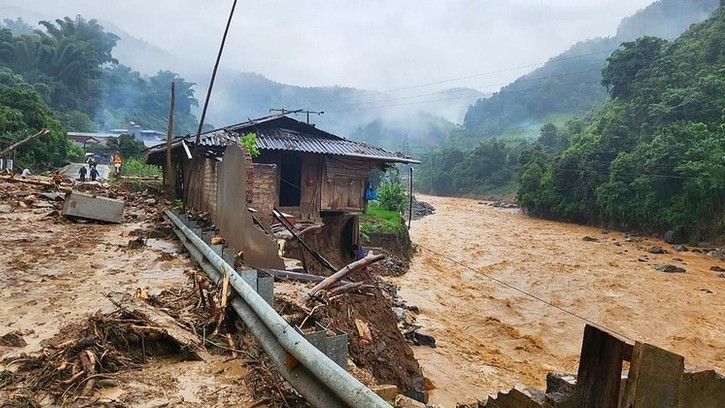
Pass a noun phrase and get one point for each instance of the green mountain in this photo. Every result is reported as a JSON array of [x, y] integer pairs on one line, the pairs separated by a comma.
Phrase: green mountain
[[653, 157], [570, 84]]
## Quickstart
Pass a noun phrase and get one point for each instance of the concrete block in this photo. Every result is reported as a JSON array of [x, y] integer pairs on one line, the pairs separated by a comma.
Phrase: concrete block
[[265, 288], [701, 387], [249, 276], [337, 349], [92, 207], [217, 249]]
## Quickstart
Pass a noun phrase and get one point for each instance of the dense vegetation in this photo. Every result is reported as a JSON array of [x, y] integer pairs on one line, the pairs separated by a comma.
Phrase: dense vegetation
[[64, 77], [569, 84], [651, 158]]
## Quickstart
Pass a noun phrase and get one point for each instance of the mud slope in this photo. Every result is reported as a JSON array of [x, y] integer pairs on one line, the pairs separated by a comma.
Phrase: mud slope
[[491, 337]]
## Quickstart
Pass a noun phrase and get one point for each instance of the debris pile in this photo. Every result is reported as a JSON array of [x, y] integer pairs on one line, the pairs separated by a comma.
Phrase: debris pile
[[420, 209]]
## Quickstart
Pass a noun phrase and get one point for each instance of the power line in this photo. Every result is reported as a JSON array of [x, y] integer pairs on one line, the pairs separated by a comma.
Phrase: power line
[[520, 80], [426, 84], [531, 295]]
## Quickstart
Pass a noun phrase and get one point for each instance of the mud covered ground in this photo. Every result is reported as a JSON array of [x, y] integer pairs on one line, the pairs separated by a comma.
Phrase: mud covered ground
[[56, 273], [491, 337]]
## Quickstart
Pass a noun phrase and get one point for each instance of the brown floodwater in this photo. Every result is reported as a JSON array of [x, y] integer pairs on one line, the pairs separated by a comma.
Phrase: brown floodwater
[[491, 337]]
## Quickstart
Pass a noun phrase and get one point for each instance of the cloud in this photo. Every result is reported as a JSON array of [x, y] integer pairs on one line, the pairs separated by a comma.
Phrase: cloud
[[373, 44]]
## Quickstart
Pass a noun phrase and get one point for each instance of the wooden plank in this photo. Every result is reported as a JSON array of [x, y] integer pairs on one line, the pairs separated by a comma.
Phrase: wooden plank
[[600, 370], [654, 378], [311, 186], [159, 319]]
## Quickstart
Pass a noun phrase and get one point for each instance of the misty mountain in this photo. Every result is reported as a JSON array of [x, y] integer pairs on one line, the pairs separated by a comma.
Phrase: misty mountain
[[238, 96], [570, 84]]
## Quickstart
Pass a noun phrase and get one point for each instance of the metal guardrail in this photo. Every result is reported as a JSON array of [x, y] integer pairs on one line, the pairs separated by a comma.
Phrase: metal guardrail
[[314, 375]]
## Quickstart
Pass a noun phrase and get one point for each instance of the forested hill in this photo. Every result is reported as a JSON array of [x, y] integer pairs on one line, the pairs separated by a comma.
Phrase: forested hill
[[653, 157], [570, 84]]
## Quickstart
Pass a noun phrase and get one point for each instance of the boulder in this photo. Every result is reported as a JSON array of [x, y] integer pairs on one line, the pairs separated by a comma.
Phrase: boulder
[[4, 208], [717, 268], [681, 248], [656, 250], [587, 238], [669, 268]]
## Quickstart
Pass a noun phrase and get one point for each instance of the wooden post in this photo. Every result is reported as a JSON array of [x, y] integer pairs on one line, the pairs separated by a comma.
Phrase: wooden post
[[654, 378], [600, 370], [169, 173]]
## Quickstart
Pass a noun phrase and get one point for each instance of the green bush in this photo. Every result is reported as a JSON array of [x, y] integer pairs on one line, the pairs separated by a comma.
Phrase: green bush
[[392, 197], [136, 167]]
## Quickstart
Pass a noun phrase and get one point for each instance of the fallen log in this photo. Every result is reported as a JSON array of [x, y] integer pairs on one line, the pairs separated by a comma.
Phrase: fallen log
[[346, 288], [88, 361], [361, 263], [158, 319], [28, 139]]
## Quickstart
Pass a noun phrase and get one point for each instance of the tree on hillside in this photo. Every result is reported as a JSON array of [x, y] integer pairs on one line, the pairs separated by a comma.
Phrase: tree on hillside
[[22, 113], [625, 62]]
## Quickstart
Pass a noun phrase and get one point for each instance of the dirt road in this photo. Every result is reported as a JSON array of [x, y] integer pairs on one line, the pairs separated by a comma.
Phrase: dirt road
[[491, 337]]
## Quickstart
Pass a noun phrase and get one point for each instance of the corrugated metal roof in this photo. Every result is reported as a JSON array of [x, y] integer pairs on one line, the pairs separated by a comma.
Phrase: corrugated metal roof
[[287, 134]]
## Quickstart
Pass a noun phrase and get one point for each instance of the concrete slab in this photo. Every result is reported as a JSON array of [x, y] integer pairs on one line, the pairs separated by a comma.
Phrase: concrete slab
[[93, 207]]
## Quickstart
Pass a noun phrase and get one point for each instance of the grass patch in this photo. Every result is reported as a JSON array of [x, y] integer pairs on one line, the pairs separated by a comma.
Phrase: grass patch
[[135, 167], [377, 220]]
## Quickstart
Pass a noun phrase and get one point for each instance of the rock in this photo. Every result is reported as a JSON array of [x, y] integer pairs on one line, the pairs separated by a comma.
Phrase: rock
[[670, 237], [150, 201], [628, 240], [677, 259], [400, 312], [402, 401], [22, 204], [12, 339], [386, 392], [656, 250], [642, 260], [705, 290], [616, 243], [4, 208], [721, 275], [587, 238], [413, 308], [669, 268], [717, 268], [681, 248]]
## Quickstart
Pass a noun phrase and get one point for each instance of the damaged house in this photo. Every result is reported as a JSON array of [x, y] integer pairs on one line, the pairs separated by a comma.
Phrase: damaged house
[[301, 170]]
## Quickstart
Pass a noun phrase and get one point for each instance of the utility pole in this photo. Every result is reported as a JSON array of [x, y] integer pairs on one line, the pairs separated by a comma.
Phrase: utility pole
[[170, 174]]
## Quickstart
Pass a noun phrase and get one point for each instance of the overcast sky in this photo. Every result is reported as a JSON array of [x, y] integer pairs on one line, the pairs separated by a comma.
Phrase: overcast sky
[[373, 44]]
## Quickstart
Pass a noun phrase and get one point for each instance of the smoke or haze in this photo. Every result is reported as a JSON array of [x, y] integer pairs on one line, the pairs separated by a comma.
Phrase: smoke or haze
[[372, 44]]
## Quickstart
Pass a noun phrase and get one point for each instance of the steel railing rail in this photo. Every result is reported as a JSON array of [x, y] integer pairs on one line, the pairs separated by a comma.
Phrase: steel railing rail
[[314, 375]]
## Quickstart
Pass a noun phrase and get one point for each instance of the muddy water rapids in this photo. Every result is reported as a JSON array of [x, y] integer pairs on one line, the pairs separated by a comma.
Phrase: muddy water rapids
[[491, 337]]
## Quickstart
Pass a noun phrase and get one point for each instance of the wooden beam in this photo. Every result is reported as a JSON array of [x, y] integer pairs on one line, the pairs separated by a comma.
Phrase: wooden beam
[[600, 370], [28, 139], [654, 378]]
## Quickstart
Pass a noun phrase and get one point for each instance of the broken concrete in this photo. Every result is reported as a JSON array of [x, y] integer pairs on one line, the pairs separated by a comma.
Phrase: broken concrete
[[93, 207]]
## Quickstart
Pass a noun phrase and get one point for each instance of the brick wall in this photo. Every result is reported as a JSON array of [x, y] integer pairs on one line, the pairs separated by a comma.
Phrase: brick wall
[[210, 181], [266, 191]]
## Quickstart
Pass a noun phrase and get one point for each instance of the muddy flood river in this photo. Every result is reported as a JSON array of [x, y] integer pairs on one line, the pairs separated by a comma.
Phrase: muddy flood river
[[491, 337]]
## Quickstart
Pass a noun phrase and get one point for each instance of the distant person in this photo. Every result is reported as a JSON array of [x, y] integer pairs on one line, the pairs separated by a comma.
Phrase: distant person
[[57, 179], [82, 172], [117, 163], [94, 174], [26, 173]]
